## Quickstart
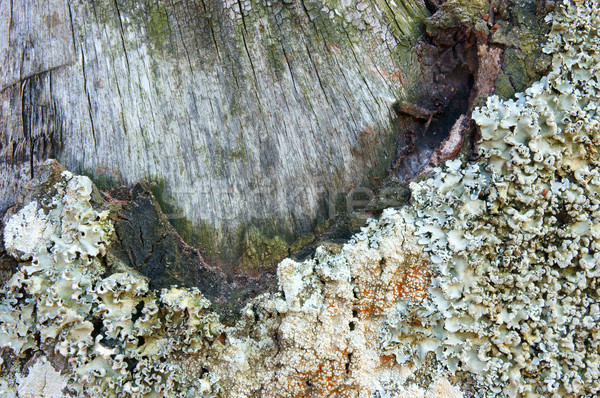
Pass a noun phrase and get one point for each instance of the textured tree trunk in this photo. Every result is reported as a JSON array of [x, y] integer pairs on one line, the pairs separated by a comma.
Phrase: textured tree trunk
[[248, 113]]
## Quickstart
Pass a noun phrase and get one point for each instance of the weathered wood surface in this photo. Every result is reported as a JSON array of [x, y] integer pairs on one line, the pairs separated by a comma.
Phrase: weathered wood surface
[[251, 112]]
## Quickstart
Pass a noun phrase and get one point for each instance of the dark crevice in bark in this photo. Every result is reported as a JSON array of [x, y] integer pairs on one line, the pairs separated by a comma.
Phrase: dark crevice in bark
[[433, 5], [316, 29], [256, 90], [317, 73], [10, 21], [212, 29], [71, 24], [287, 61], [390, 11], [26, 129], [148, 243], [465, 64], [451, 61], [182, 41], [89, 100], [122, 34]]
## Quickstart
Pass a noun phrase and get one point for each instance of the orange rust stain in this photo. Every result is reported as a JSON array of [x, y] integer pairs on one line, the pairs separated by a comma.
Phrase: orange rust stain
[[332, 377], [375, 297], [387, 360], [326, 381], [414, 284]]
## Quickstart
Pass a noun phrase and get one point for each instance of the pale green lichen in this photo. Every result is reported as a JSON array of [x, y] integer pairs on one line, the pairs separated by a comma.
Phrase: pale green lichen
[[112, 331], [32, 220], [42, 381], [493, 272], [515, 237]]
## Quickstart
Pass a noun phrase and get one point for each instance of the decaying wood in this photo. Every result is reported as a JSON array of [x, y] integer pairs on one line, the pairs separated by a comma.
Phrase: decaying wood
[[250, 112]]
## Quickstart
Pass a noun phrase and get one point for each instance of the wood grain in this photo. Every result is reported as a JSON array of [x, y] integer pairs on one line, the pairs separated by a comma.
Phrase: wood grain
[[250, 112]]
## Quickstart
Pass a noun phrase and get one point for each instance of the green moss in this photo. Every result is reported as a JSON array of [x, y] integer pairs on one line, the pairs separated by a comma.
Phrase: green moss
[[103, 181], [203, 235], [523, 32], [259, 249], [151, 16], [157, 24], [405, 18], [275, 57]]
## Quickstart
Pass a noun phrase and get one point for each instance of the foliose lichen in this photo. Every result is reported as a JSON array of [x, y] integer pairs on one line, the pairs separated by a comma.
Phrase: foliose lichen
[[112, 332], [492, 273], [106, 333], [514, 239]]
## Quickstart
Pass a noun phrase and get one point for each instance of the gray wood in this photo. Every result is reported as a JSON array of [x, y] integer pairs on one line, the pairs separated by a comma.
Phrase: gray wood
[[251, 112]]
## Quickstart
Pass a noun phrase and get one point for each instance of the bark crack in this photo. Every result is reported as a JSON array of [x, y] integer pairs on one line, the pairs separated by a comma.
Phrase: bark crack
[[246, 47], [181, 35], [212, 30], [31, 76], [10, 23], [250, 59], [361, 74], [287, 61], [122, 31], [394, 19], [87, 93], [337, 64], [243, 34], [26, 132], [72, 26], [317, 73]]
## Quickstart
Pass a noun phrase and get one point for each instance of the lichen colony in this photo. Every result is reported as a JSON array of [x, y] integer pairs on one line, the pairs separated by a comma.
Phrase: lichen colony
[[489, 278]]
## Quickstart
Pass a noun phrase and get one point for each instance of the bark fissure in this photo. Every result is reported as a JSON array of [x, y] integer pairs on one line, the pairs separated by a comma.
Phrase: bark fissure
[[182, 40], [375, 99], [328, 55], [287, 61], [122, 32], [26, 132], [32, 76], [89, 100], [10, 22], [390, 12], [212, 29], [314, 65], [251, 66]]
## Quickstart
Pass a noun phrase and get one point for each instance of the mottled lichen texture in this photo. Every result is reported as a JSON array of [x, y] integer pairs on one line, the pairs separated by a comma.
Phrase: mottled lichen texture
[[514, 238], [485, 286], [103, 328], [75, 314]]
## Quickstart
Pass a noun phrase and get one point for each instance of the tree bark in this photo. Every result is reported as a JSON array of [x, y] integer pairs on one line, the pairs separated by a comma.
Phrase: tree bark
[[247, 112]]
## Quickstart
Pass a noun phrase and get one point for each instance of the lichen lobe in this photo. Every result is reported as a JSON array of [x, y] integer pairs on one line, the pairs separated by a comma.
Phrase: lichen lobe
[[487, 284]]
